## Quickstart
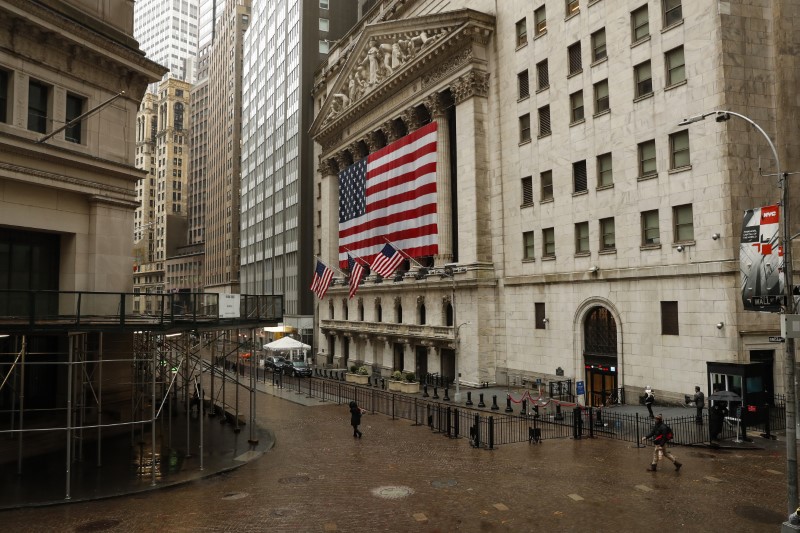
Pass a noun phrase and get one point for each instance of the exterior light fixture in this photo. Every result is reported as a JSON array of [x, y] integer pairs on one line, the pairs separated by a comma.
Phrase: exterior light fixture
[[720, 325]]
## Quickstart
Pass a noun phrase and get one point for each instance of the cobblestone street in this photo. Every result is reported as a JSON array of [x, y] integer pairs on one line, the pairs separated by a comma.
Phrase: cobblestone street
[[400, 477]]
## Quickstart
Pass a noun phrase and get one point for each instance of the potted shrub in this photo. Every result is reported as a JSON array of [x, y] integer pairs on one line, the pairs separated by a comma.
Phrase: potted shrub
[[358, 375], [396, 381], [410, 383]]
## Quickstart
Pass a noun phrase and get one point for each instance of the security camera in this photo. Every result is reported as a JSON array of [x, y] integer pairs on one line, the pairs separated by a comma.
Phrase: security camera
[[679, 248]]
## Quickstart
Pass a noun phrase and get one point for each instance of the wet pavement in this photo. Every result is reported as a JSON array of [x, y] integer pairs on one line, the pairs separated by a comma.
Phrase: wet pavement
[[401, 477]]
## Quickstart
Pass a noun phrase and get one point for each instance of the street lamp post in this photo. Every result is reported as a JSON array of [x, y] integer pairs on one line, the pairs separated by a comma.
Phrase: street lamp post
[[791, 432], [449, 271]]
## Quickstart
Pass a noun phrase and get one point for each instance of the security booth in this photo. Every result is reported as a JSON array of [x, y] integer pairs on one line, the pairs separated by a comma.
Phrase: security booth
[[738, 392]]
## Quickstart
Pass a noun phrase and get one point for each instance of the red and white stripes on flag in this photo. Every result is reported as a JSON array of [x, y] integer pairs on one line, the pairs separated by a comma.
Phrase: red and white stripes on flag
[[323, 275], [356, 273], [391, 195], [387, 261]]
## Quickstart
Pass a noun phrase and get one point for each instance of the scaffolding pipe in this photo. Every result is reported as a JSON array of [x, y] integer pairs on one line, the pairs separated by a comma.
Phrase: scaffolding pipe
[[153, 422], [69, 414], [238, 362], [21, 403], [100, 399], [253, 379], [186, 395]]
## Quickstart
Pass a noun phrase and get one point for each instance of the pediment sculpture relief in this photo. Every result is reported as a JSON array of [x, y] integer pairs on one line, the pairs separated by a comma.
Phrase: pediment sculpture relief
[[382, 56]]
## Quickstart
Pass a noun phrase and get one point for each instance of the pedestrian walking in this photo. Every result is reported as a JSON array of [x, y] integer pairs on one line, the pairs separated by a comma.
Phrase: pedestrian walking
[[661, 435], [699, 400], [649, 399], [355, 418]]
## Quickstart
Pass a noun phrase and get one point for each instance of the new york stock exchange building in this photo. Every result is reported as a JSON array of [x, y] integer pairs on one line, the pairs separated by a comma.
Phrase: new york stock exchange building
[[554, 220]]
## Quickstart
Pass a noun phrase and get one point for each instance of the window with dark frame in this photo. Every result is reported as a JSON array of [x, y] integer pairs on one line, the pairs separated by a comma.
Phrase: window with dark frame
[[546, 179], [38, 100], [528, 251], [679, 150], [549, 242], [675, 65], [683, 220], [4, 78], [522, 33], [573, 7], [74, 109], [527, 190], [605, 173], [599, 45], [650, 229], [640, 24], [539, 315], [601, 103], [647, 159], [525, 128], [673, 12], [542, 75], [540, 21], [574, 57], [607, 234], [669, 318], [582, 238], [544, 121], [579, 176], [644, 79], [576, 106], [522, 85]]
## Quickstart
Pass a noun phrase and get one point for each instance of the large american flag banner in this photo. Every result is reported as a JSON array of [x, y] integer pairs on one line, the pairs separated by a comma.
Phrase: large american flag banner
[[391, 195]]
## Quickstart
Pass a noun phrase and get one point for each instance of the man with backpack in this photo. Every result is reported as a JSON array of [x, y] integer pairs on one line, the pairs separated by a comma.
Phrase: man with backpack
[[662, 436]]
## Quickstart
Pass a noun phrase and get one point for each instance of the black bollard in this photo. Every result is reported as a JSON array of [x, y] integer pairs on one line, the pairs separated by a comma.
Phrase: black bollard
[[508, 405], [577, 423], [425, 391], [599, 420], [535, 411], [495, 407], [446, 395], [469, 398], [435, 393], [559, 415], [480, 403]]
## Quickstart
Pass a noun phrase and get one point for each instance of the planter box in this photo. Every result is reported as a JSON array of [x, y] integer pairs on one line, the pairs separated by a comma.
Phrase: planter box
[[395, 386], [410, 388], [358, 379]]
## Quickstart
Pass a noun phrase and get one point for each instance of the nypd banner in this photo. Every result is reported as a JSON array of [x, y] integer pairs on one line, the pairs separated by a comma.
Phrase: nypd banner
[[761, 260]]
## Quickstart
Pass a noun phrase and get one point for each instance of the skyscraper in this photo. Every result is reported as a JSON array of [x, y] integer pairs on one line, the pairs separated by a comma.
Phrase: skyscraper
[[167, 30]]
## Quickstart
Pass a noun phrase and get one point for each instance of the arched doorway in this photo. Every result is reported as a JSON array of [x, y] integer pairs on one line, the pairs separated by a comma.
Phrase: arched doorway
[[600, 356]]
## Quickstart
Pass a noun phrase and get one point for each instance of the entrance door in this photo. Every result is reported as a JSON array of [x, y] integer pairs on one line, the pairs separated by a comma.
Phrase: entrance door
[[767, 357], [397, 363], [421, 362], [448, 365], [600, 357], [601, 385]]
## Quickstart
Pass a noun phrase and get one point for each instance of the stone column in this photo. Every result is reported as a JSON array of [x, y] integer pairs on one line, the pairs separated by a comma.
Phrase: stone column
[[327, 234], [411, 119], [437, 106], [470, 92], [389, 129]]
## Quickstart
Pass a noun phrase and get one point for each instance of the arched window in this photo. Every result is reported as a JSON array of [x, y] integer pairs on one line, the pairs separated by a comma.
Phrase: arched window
[[330, 310], [398, 313], [448, 314], [422, 314], [600, 333], [360, 311], [344, 310], [379, 313]]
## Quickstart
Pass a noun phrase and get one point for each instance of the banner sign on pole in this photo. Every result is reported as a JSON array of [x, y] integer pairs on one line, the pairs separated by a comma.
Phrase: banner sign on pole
[[761, 260]]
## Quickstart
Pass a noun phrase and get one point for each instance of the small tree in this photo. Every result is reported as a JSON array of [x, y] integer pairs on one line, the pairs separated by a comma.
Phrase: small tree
[[397, 375], [410, 377]]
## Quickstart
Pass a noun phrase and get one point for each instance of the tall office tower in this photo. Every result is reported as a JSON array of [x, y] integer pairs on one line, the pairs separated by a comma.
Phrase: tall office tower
[[210, 13], [223, 151], [167, 30], [162, 142], [283, 48]]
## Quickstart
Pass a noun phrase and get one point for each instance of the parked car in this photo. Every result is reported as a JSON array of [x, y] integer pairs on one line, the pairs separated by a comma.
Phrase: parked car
[[276, 363], [297, 368]]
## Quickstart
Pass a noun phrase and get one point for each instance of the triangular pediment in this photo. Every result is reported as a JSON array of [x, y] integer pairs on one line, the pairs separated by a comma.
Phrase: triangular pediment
[[388, 53]]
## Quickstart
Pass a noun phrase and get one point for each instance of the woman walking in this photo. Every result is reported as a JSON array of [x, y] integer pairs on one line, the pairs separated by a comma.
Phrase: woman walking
[[355, 418]]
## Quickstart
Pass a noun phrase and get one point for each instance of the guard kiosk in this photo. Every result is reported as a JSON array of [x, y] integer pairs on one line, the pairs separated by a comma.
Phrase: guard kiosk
[[750, 382]]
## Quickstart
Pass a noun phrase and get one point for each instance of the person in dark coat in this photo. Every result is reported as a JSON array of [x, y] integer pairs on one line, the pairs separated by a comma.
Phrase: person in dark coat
[[355, 418], [699, 400], [660, 443], [649, 399]]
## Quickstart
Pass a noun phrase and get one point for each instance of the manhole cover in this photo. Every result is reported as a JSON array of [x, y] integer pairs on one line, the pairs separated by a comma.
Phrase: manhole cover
[[392, 492], [444, 483], [759, 514], [294, 479], [97, 525], [235, 496]]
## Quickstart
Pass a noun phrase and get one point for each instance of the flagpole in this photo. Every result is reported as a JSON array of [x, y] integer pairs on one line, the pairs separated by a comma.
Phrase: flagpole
[[329, 266], [403, 253], [356, 257]]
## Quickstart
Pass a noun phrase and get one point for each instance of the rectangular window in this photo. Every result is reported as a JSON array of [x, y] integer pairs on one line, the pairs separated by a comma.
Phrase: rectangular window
[[573, 7], [599, 45], [574, 56], [605, 175], [679, 149], [38, 103], [525, 128], [673, 12], [323, 46], [527, 244], [549, 242], [647, 159], [669, 318], [607, 236], [75, 108], [522, 33], [546, 179], [527, 190], [323, 24], [676, 66], [539, 315], [4, 78], [684, 223], [601, 97], [540, 20], [640, 25], [650, 230], [522, 84], [579, 176], [576, 106], [542, 75], [644, 80], [544, 121], [582, 238], [323, 4]]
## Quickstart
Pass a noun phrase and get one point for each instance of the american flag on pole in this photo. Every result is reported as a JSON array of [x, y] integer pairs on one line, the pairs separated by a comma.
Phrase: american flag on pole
[[323, 275], [387, 261], [356, 273], [391, 195]]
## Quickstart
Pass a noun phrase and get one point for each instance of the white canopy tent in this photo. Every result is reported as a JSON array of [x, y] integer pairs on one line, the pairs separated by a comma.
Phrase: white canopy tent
[[289, 348]]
